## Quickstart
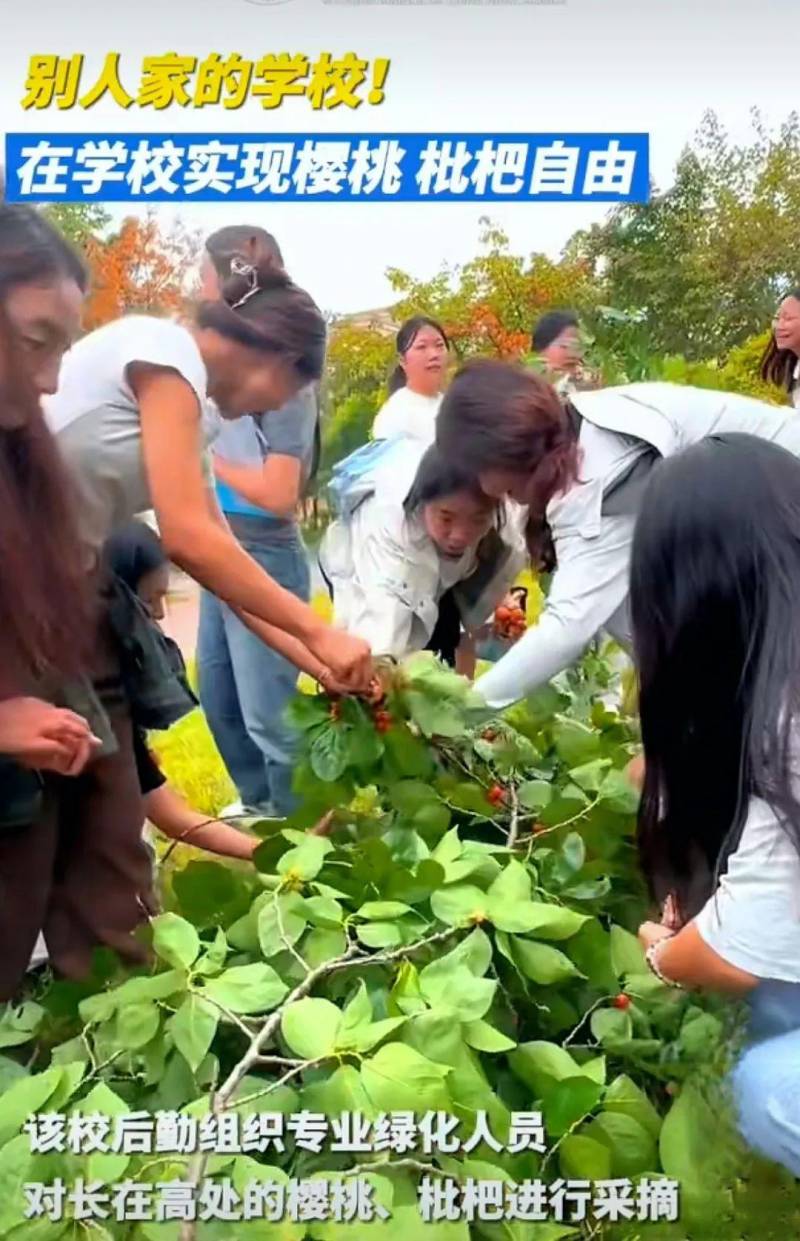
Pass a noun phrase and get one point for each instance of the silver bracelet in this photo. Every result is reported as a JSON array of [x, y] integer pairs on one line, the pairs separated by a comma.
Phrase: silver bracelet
[[650, 958]]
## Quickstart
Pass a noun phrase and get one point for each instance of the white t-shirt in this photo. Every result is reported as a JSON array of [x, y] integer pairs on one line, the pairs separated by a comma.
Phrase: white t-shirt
[[407, 413], [753, 919], [796, 388], [95, 415]]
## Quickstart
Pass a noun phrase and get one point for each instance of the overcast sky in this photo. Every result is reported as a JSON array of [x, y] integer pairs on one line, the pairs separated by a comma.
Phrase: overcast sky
[[602, 65]]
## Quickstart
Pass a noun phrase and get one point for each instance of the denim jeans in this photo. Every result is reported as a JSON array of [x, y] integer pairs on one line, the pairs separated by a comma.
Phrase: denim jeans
[[245, 686], [766, 1080]]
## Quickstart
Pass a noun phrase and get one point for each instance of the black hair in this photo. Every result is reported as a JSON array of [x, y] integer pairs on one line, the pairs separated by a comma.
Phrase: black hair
[[405, 339], [46, 613], [715, 605], [32, 251], [133, 551], [778, 365], [438, 477], [245, 241], [261, 308], [550, 327]]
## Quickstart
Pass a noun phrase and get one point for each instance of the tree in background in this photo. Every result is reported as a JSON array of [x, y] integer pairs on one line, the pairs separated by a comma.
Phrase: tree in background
[[142, 269], [489, 305], [79, 222], [707, 260]]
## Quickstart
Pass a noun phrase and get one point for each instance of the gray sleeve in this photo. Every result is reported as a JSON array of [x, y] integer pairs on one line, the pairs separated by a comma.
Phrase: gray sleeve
[[289, 431]]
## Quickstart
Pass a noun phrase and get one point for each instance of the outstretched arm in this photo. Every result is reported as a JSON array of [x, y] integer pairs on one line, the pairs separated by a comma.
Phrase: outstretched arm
[[590, 583]]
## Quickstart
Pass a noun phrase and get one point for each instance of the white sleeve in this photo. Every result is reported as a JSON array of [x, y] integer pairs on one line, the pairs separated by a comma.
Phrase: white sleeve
[[589, 585], [389, 419], [381, 608], [160, 342], [753, 919]]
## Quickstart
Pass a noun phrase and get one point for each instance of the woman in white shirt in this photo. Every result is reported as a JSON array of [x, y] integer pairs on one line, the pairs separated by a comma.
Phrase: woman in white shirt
[[581, 466], [423, 532], [415, 386], [136, 403], [781, 362], [715, 602]]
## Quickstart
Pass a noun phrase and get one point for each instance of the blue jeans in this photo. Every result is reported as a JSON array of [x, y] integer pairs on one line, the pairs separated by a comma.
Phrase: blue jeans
[[245, 686], [766, 1080]]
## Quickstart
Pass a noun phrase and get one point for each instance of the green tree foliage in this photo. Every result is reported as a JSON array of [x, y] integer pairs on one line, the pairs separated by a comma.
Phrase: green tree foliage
[[708, 258]]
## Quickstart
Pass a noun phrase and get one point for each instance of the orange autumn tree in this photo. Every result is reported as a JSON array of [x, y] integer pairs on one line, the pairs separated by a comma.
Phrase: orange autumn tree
[[142, 269]]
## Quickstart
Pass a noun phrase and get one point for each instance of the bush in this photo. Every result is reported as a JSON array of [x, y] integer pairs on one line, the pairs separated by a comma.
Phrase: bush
[[461, 942]]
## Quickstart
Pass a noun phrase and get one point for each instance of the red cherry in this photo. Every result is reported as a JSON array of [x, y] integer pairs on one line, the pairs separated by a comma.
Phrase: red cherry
[[496, 795], [489, 734], [622, 1002]]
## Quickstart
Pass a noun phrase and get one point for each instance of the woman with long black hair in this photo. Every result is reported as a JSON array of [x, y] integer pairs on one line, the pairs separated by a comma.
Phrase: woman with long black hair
[[715, 604], [780, 364]]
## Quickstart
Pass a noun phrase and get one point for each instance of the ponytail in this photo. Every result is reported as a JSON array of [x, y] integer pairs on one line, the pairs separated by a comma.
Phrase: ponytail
[[261, 308]]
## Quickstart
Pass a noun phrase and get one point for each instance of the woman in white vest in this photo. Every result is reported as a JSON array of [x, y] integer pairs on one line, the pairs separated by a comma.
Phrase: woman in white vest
[[415, 385], [416, 531], [581, 467]]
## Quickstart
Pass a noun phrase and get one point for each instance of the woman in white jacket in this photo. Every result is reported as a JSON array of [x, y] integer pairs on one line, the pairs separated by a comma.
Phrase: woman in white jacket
[[418, 552], [415, 385], [582, 468]]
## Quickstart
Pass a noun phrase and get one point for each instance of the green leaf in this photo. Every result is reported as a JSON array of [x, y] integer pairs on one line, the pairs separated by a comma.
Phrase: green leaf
[[633, 1149], [204, 889], [448, 849], [627, 955], [699, 1034], [409, 796], [306, 711], [515, 917], [380, 911], [342, 1091], [535, 795], [320, 946], [281, 922], [357, 1011], [542, 964], [175, 940], [610, 1025], [434, 716], [689, 1144], [591, 775], [581, 1158], [99, 1166], [398, 1078], [573, 852], [310, 1027], [24, 1097], [247, 989], [460, 905], [193, 1028], [469, 997], [618, 793], [512, 886], [538, 1063], [575, 743], [570, 1100], [213, 959], [19, 1023], [407, 753], [329, 754], [474, 952], [380, 935], [137, 1024], [306, 861], [324, 912], [555, 922], [623, 1095], [483, 1037], [365, 1038], [17, 1168]]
